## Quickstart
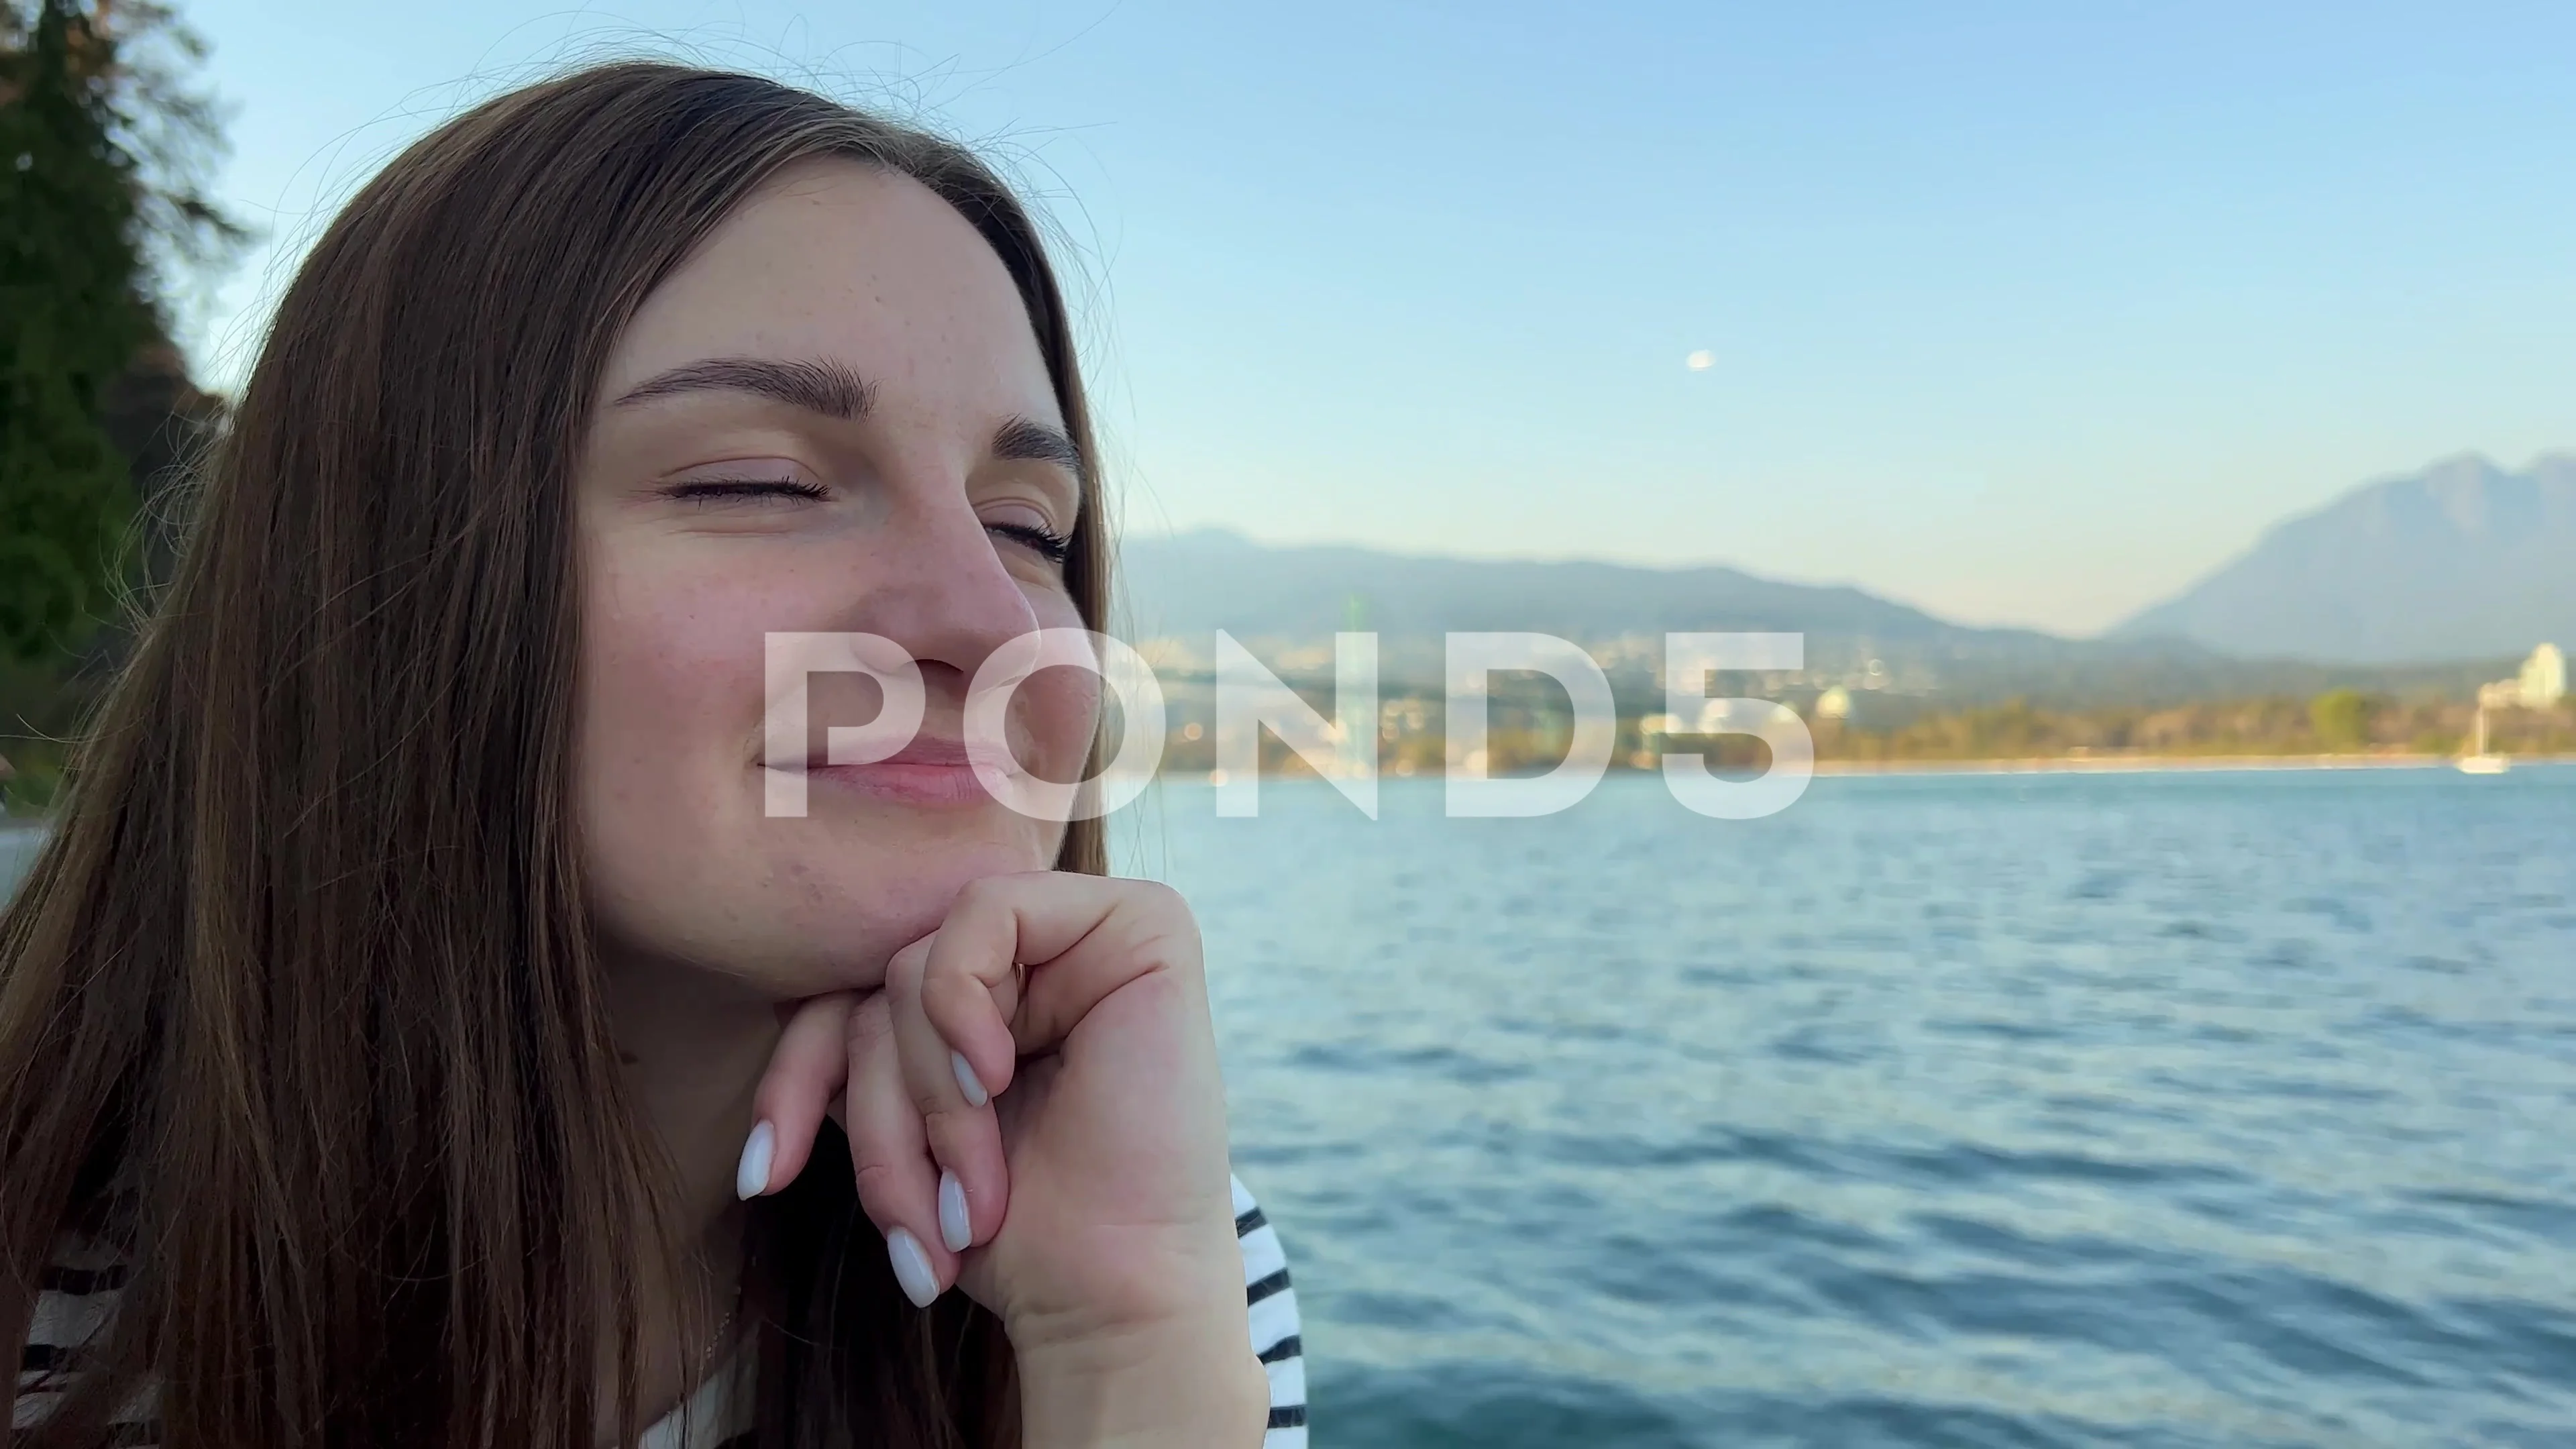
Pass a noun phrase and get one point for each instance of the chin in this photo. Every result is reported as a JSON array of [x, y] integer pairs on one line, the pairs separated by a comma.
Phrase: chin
[[796, 907], [894, 898]]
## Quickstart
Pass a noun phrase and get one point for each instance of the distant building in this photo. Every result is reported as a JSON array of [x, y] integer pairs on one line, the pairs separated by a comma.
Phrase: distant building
[[2544, 677], [1853, 706], [2540, 685]]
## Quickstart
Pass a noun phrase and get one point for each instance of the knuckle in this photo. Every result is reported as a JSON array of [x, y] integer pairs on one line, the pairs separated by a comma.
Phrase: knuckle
[[1161, 989], [878, 1182], [1169, 950], [831, 1006], [945, 997], [904, 969], [871, 1024], [1166, 913], [947, 1125], [982, 893]]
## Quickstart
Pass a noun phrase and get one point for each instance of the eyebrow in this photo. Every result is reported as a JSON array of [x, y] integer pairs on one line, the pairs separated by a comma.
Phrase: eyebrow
[[827, 387], [1026, 440], [824, 387]]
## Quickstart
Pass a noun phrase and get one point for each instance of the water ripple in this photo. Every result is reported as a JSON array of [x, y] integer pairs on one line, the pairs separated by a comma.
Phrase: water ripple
[[2173, 1112]]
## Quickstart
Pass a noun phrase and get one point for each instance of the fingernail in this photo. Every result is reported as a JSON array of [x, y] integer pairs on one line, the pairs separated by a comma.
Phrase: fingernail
[[751, 1178], [967, 1082], [955, 1228], [911, 1267]]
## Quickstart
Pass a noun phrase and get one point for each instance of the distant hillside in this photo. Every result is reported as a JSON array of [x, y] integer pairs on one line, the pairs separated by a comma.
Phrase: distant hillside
[[1187, 586], [1214, 579], [2462, 560]]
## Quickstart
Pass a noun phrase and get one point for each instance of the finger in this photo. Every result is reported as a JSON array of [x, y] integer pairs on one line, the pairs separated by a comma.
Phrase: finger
[[1084, 937], [971, 982], [898, 1186], [1115, 998], [803, 1081], [946, 1088]]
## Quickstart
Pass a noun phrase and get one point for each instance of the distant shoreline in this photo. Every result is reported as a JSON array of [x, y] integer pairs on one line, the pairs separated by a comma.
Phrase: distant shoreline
[[2142, 764], [2055, 765]]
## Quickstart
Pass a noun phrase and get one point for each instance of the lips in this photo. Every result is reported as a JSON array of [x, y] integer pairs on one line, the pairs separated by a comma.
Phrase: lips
[[950, 754], [927, 772]]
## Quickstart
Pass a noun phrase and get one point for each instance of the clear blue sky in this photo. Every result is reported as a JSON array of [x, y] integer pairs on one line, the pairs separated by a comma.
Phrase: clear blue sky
[[2021, 312]]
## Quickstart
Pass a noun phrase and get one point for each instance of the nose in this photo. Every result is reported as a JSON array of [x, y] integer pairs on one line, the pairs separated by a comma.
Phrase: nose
[[938, 588]]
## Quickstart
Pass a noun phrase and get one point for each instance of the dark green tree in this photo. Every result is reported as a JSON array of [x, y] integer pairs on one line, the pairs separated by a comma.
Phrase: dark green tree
[[2341, 718], [101, 150]]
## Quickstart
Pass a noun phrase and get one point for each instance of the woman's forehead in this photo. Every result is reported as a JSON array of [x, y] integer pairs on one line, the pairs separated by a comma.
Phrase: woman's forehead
[[854, 266]]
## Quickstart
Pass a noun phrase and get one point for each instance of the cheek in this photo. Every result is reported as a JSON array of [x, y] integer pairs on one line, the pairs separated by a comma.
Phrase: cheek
[[670, 696], [1059, 709]]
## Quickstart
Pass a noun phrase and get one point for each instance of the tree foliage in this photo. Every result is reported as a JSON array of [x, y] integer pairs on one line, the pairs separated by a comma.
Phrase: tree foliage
[[102, 151], [2341, 718]]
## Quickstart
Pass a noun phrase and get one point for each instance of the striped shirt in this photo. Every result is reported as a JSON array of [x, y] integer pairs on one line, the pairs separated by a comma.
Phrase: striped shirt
[[80, 1289]]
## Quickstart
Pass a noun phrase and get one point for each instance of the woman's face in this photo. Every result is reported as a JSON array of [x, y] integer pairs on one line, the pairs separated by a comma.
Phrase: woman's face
[[833, 418]]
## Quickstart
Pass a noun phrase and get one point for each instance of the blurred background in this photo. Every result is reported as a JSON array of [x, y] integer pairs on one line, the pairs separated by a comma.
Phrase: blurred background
[[2156, 1024]]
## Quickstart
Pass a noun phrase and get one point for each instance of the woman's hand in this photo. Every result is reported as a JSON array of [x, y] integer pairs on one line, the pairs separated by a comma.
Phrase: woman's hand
[[1035, 1115]]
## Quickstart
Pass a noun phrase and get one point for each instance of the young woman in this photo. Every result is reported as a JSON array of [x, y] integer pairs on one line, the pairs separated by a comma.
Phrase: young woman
[[419, 1030]]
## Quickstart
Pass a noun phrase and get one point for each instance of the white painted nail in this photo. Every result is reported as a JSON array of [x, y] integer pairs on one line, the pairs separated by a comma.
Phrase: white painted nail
[[911, 1267], [967, 1082], [955, 1228], [751, 1177]]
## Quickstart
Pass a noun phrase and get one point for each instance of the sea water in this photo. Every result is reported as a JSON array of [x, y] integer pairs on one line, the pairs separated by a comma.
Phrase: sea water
[[2018, 1110]]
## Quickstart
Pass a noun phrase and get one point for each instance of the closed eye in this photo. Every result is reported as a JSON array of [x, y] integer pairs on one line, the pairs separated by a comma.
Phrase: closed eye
[[1047, 544], [720, 490]]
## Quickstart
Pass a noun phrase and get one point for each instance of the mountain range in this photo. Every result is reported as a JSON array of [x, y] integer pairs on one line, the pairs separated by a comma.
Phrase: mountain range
[[2460, 560], [2434, 580]]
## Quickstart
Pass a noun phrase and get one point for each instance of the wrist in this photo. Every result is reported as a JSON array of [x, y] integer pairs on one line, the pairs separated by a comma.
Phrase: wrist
[[1169, 1386]]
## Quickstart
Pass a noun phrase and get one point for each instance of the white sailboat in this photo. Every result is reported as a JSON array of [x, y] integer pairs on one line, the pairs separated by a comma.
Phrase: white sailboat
[[2478, 761]]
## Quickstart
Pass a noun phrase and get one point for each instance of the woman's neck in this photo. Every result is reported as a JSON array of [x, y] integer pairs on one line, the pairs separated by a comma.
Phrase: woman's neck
[[694, 1046]]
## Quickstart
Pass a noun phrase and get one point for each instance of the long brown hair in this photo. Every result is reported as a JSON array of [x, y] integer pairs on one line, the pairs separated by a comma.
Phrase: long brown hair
[[299, 1006]]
